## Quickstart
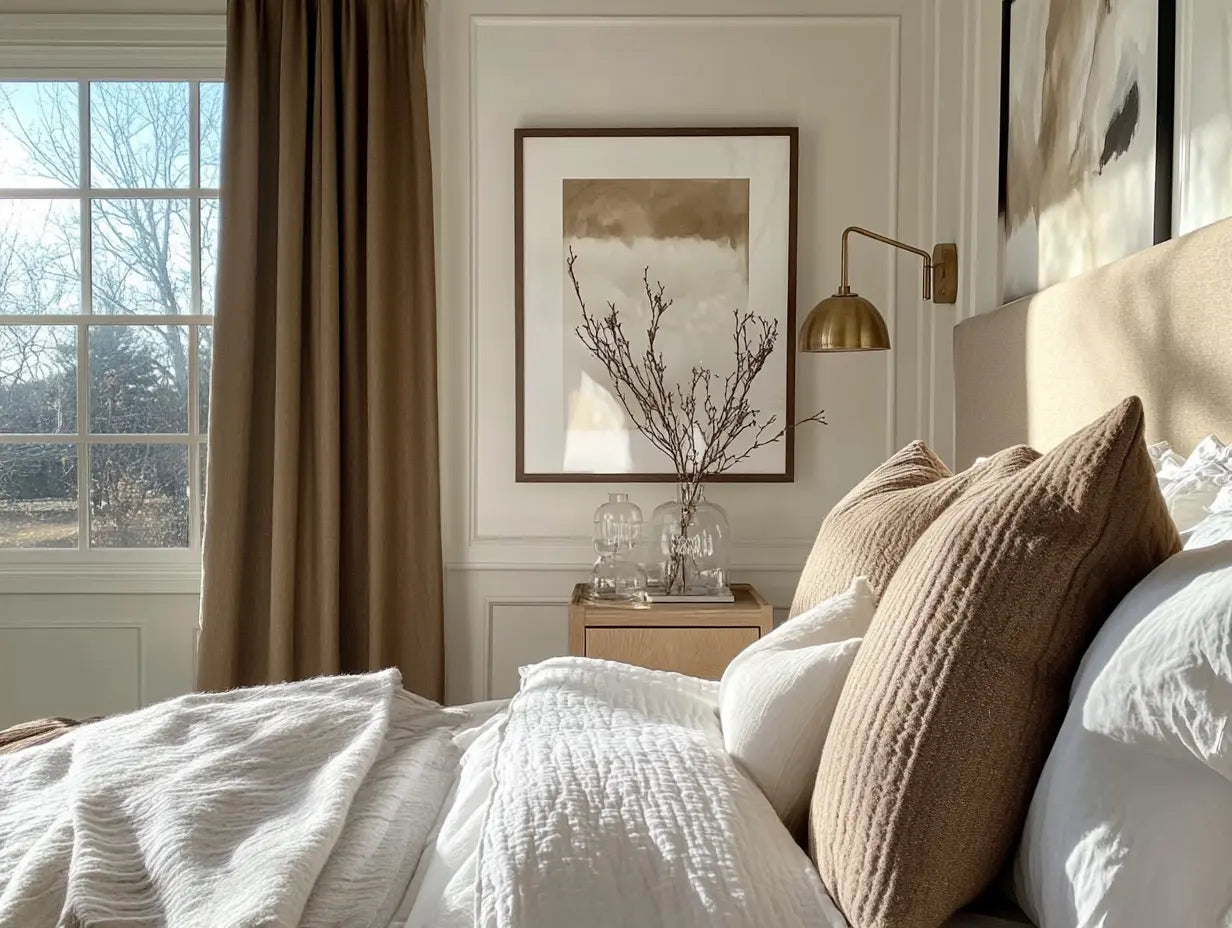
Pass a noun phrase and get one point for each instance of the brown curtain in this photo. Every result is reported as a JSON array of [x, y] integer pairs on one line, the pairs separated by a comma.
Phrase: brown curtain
[[322, 543]]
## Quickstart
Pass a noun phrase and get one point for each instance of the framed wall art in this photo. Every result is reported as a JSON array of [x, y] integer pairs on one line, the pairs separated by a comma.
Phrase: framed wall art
[[1086, 135], [709, 214]]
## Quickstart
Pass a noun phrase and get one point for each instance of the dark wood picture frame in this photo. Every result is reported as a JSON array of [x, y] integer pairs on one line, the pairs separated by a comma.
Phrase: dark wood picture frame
[[787, 339], [1164, 117]]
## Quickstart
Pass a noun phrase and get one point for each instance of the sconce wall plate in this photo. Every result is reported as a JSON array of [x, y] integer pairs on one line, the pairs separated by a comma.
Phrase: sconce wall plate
[[945, 273]]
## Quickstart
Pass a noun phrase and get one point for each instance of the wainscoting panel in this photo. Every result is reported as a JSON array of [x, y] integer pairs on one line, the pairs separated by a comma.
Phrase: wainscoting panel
[[72, 671], [86, 655], [522, 631]]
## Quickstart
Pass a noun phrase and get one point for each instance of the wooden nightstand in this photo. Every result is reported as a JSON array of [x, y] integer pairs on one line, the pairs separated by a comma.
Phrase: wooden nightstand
[[696, 639]]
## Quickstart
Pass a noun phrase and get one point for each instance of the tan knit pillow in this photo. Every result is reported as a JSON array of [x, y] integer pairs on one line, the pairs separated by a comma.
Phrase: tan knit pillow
[[870, 530], [955, 696]]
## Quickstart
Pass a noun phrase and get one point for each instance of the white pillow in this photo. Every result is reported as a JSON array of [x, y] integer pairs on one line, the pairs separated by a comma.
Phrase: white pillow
[[1191, 486], [777, 697], [1215, 528], [1131, 821], [1169, 684]]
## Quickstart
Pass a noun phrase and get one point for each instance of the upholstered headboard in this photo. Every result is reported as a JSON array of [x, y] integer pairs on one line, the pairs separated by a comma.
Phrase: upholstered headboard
[[1157, 324]]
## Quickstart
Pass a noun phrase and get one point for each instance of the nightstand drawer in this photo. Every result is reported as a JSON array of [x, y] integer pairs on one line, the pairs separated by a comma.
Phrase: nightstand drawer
[[698, 652]]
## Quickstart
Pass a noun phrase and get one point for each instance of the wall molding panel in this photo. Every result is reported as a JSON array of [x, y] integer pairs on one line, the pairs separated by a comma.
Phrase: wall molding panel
[[83, 655], [111, 43]]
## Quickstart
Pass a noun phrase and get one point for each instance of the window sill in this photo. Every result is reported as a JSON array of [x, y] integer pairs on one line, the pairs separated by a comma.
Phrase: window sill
[[134, 575]]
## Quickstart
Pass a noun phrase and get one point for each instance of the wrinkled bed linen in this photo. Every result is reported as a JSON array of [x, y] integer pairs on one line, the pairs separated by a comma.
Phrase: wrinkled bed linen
[[302, 804], [601, 796]]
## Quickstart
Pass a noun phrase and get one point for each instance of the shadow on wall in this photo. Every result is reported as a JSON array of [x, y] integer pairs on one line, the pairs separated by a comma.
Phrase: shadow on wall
[[990, 383], [1154, 324]]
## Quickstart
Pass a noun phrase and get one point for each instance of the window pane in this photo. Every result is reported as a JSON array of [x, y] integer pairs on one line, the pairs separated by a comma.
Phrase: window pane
[[139, 496], [40, 243], [142, 258], [139, 134], [38, 378], [209, 253], [211, 133], [138, 379], [205, 355], [38, 134], [38, 496]]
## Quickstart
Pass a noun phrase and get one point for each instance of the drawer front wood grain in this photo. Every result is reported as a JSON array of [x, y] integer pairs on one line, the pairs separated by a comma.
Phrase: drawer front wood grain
[[698, 652]]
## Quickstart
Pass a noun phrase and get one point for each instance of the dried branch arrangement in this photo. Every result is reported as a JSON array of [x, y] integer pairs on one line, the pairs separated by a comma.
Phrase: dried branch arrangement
[[706, 426]]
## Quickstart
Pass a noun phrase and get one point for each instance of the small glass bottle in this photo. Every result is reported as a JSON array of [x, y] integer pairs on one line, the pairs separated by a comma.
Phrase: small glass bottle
[[617, 535]]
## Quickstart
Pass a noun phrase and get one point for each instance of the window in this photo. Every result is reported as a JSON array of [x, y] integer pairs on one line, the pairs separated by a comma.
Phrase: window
[[108, 242]]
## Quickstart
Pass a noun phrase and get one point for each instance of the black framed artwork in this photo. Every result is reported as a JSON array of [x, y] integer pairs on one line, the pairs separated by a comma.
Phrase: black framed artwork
[[1087, 96], [709, 214]]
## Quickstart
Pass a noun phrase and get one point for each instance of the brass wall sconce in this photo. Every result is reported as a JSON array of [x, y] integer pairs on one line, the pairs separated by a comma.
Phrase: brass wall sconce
[[848, 322]]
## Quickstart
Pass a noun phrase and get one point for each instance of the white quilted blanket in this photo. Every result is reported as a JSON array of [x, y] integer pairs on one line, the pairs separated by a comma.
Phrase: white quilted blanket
[[306, 804], [614, 804]]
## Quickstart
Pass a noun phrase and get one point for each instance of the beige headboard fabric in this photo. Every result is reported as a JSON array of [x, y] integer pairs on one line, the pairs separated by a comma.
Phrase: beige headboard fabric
[[1157, 324]]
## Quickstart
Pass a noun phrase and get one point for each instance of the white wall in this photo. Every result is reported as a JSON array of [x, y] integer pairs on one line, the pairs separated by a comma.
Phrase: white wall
[[897, 109], [1202, 171], [897, 101], [897, 105]]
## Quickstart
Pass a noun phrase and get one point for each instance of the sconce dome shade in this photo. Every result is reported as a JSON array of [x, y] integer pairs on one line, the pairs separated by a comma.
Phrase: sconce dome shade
[[844, 322]]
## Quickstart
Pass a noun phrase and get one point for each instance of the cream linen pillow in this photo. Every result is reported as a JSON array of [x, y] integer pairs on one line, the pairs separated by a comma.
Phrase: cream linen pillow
[[778, 695]]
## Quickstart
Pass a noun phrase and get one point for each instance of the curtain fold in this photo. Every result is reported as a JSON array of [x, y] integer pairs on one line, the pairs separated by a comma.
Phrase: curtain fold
[[322, 543]]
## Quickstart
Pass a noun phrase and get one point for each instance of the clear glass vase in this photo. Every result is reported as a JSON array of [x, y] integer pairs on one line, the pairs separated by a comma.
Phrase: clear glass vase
[[690, 545], [617, 536]]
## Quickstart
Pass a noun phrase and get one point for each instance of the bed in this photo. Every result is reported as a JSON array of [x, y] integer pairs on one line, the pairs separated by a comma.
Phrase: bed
[[603, 794], [1157, 324]]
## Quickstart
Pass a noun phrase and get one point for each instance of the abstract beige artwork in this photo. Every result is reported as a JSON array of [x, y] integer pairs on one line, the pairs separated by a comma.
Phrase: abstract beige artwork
[[709, 215], [693, 236], [1080, 173]]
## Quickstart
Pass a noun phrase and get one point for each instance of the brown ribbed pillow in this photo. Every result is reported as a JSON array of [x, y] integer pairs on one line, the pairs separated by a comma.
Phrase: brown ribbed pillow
[[956, 693], [870, 530]]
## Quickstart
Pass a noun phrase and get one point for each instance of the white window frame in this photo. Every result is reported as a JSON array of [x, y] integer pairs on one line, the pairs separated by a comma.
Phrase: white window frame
[[58, 46]]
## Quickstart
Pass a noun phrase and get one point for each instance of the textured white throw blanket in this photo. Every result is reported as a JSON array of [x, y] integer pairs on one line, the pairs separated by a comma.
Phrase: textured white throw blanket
[[302, 804]]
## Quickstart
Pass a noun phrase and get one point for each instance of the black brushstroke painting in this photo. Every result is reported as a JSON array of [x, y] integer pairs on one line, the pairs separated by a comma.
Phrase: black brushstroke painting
[[1122, 127]]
